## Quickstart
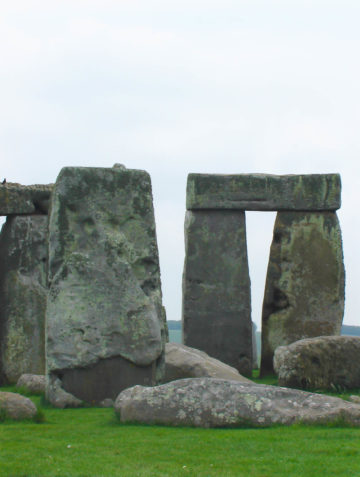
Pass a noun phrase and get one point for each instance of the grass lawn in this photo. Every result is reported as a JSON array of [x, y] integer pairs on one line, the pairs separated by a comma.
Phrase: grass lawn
[[91, 442]]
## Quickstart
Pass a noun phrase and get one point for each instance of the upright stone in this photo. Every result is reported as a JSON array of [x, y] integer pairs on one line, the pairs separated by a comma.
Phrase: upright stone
[[23, 258], [304, 293], [216, 287], [105, 320]]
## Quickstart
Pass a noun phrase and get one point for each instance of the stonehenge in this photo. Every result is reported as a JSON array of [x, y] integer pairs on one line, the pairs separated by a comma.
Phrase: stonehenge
[[80, 274], [304, 292], [80, 287]]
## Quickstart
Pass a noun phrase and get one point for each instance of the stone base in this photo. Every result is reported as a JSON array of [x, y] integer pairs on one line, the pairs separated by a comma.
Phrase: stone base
[[106, 379]]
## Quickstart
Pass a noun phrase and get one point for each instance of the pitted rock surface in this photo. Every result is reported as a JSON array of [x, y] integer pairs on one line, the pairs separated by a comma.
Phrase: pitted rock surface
[[17, 406], [184, 362], [216, 287], [304, 292], [19, 199], [34, 383], [209, 402], [305, 192], [105, 319], [325, 362], [23, 291]]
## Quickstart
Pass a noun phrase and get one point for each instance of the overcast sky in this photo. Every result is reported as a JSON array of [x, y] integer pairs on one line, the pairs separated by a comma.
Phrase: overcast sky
[[174, 87]]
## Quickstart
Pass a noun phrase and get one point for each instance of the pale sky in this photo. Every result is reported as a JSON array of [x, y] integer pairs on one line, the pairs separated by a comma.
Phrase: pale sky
[[174, 87]]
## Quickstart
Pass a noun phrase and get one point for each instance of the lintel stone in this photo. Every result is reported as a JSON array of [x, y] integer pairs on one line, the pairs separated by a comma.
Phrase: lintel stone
[[266, 192], [17, 199]]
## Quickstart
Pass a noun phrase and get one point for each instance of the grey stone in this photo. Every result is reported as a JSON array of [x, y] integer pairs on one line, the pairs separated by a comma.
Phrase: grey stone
[[184, 362], [19, 199], [16, 406], [105, 320], [263, 192], [304, 293], [255, 363], [34, 383], [325, 362], [216, 287], [354, 398], [107, 403], [23, 262], [58, 396], [210, 402]]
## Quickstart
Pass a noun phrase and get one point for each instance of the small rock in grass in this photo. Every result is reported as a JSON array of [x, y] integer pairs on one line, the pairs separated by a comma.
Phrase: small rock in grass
[[34, 383], [16, 406]]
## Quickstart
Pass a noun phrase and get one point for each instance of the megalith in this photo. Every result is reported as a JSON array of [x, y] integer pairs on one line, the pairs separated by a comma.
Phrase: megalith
[[304, 292], [23, 262], [216, 287], [105, 327]]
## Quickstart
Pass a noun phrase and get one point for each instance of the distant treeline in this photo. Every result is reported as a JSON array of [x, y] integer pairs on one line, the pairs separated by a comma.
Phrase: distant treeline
[[175, 325]]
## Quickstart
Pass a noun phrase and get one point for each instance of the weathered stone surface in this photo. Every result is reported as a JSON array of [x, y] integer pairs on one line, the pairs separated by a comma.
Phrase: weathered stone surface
[[184, 362], [263, 192], [23, 260], [216, 287], [209, 402], [58, 396], [105, 320], [255, 363], [17, 406], [34, 383], [325, 362], [19, 199], [304, 293]]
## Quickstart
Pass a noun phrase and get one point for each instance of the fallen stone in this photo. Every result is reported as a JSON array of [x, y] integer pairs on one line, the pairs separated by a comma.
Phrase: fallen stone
[[105, 320], [107, 403], [184, 362], [304, 292], [34, 383], [354, 398], [325, 362], [310, 192], [58, 396], [216, 287], [23, 292], [209, 402], [17, 199], [16, 406]]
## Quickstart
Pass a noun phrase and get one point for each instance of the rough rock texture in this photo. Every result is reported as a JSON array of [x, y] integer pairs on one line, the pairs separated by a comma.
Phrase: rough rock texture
[[326, 362], [216, 287], [209, 402], [263, 192], [34, 383], [304, 293], [184, 362], [19, 199], [255, 363], [17, 406], [105, 320], [23, 261]]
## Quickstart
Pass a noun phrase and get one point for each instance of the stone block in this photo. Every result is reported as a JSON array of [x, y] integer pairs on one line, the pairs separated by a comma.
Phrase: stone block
[[216, 288], [310, 192], [326, 362], [17, 199], [23, 262], [304, 292], [105, 320]]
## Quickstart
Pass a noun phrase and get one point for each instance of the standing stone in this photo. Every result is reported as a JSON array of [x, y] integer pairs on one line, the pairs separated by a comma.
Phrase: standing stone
[[216, 287], [23, 258], [105, 320], [304, 293]]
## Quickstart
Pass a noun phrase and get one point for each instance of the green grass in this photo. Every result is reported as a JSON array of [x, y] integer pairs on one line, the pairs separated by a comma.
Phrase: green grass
[[91, 442]]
